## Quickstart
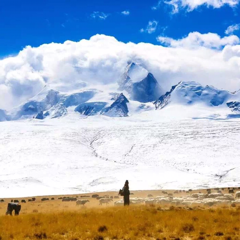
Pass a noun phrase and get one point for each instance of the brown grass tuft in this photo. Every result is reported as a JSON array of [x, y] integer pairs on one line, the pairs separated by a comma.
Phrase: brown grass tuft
[[188, 227]]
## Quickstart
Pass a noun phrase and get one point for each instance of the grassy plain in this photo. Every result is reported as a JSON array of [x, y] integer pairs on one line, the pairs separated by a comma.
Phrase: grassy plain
[[59, 220]]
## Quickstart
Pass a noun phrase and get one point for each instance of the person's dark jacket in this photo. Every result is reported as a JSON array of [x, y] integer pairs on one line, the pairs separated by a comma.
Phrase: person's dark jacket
[[126, 191], [126, 194]]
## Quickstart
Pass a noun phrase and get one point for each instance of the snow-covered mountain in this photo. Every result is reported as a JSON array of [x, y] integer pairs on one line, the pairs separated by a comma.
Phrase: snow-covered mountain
[[50, 103], [138, 91], [140, 84], [192, 93]]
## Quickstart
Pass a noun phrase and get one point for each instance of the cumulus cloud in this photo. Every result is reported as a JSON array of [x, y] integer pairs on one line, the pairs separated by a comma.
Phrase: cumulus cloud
[[233, 28], [191, 5], [151, 27], [99, 15], [196, 39], [126, 12], [101, 60]]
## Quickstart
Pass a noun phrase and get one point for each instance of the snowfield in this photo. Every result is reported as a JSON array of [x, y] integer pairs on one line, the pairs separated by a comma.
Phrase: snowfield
[[77, 154]]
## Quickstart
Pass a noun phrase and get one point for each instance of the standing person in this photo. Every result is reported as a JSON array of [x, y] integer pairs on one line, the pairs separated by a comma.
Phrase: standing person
[[126, 194]]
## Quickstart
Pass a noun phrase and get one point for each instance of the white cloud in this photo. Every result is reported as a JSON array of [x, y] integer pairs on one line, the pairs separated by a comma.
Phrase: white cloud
[[99, 15], [102, 60], [233, 28], [191, 5], [126, 12], [151, 27], [196, 40]]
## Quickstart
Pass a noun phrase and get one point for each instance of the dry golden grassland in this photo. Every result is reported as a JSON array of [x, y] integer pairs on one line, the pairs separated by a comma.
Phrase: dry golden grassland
[[134, 222], [58, 220]]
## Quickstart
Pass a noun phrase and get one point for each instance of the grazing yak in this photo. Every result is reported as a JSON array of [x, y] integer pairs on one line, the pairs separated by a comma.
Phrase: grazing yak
[[81, 202], [13, 206], [95, 196], [105, 200], [69, 199]]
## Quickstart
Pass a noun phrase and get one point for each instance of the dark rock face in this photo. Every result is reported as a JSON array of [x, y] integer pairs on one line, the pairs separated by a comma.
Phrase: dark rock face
[[140, 84], [40, 116], [164, 99], [90, 109], [118, 108], [147, 90], [126, 82], [234, 106]]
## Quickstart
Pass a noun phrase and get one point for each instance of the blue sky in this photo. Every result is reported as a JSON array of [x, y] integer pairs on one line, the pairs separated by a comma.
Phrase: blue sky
[[37, 22]]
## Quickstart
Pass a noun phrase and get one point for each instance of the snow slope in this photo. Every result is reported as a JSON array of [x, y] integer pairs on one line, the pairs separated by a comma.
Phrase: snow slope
[[84, 154], [190, 93]]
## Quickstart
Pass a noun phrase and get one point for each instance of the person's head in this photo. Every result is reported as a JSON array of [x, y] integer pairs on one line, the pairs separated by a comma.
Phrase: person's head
[[126, 183]]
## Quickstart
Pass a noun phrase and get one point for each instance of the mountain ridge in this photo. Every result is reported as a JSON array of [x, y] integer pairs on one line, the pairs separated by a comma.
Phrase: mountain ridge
[[137, 91]]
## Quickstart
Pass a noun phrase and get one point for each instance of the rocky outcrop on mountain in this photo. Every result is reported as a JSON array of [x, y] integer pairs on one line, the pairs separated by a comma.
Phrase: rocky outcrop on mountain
[[118, 108], [164, 99], [51, 104], [234, 106], [40, 116], [90, 108], [140, 84]]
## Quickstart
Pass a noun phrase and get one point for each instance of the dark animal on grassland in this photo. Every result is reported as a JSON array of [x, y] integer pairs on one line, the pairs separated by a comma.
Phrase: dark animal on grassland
[[69, 199], [95, 195], [81, 202], [13, 206], [23, 201], [44, 199]]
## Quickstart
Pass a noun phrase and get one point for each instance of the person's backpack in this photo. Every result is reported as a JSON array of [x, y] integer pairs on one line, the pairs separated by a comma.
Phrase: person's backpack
[[120, 192]]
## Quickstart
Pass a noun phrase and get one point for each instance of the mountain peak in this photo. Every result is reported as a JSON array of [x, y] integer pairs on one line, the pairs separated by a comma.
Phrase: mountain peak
[[139, 83], [118, 108], [188, 93]]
